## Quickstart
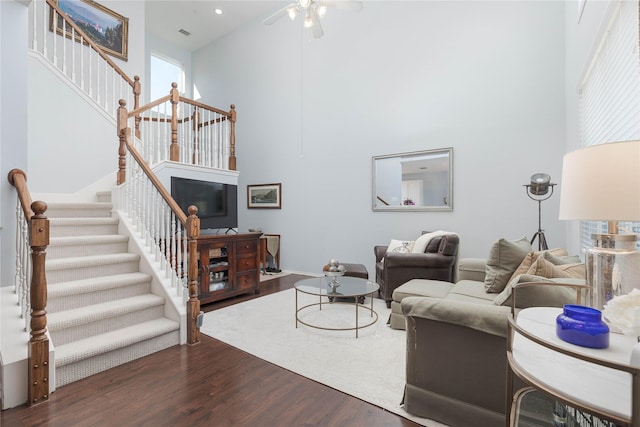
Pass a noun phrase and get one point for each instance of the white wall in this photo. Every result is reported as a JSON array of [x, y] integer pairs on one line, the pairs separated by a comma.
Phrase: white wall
[[78, 147], [13, 123], [486, 78]]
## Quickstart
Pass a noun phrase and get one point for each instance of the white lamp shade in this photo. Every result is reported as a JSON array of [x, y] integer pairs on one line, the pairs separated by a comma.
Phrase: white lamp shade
[[601, 183]]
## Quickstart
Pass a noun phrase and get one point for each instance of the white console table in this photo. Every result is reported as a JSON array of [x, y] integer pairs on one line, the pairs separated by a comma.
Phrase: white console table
[[597, 381]]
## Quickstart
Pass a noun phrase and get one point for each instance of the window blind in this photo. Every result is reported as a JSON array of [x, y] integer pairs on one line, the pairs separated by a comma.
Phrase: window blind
[[610, 93]]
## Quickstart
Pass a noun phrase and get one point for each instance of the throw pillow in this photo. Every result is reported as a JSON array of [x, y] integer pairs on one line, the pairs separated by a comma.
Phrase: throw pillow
[[421, 242], [395, 244], [542, 267], [559, 259], [537, 295], [553, 254], [504, 257]]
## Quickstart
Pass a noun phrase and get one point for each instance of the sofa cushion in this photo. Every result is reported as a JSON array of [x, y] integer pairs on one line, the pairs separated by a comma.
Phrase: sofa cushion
[[471, 269], [423, 288], [504, 257], [539, 296], [471, 290]]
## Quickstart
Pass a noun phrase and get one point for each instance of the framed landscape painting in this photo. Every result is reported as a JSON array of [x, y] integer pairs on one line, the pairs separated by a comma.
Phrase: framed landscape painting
[[103, 26], [265, 196]]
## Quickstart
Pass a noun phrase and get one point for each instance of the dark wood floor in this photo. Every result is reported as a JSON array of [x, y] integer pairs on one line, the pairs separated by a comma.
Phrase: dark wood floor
[[210, 384]]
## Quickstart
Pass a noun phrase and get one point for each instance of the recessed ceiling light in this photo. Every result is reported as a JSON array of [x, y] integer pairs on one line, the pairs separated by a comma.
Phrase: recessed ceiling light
[[184, 32], [218, 11]]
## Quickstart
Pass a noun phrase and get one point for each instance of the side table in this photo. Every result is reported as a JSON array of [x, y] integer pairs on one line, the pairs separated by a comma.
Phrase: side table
[[597, 381], [269, 245]]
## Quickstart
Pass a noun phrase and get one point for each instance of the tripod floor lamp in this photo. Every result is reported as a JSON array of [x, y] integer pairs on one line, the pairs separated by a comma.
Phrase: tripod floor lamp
[[538, 190]]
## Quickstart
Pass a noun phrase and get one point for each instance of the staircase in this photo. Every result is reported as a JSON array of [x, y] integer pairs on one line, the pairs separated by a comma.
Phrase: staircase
[[101, 312]]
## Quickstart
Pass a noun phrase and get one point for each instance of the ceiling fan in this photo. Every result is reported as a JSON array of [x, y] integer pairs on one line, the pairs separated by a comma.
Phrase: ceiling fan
[[312, 11]]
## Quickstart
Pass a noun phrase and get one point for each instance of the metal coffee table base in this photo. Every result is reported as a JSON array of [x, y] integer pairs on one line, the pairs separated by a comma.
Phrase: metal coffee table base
[[356, 304]]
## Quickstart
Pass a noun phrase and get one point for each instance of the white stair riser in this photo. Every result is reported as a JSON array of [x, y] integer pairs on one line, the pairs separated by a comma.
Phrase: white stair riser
[[67, 275], [83, 229], [104, 196], [84, 368], [70, 302], [77, 213], [122, 320], [67, 251]]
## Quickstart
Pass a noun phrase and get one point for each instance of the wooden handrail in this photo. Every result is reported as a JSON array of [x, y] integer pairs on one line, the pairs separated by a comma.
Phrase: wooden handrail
[[192, 227], [166, 196], [91, 43], [149, 106], [206, 107], [38, 347], [18, 179]]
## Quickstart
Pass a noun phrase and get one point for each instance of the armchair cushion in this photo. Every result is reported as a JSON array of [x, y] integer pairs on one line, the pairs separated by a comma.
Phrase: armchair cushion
[[422, 243], [504, 258]]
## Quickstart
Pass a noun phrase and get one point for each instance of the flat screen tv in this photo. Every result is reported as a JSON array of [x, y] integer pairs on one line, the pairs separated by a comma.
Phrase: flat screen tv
[[217, 203]]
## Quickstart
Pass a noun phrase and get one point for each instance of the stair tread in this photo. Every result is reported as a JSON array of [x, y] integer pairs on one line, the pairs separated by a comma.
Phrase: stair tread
[[87, 240], [99, 344], [89, 260], [79, 205], [105, 310], [84, 221], [75, 287]]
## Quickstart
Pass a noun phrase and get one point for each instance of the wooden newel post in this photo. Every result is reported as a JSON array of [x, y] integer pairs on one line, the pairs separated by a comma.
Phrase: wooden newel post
[[136, 103], [174, 152], [121, 127], [232, 139], [38, 343], [193, 304]]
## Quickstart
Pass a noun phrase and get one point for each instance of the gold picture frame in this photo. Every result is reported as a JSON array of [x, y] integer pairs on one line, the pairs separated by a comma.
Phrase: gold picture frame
[[104, 27]]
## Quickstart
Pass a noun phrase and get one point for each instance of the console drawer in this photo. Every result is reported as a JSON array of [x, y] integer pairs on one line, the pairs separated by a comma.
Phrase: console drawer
[[245, 264], [244, 247], [245, 281]]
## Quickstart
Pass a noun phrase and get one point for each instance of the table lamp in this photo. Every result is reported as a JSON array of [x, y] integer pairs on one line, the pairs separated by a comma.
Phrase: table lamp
[[602, 183]]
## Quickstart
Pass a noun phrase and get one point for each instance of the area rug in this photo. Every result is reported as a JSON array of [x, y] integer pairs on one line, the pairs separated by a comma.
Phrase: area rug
[[269, 276], [370, 367]]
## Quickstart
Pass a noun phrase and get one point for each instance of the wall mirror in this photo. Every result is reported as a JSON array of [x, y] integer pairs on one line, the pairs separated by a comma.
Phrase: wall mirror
[[416, 181]]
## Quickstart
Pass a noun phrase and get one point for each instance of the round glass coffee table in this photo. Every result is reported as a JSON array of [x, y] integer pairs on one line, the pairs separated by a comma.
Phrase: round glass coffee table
[[349, 290]]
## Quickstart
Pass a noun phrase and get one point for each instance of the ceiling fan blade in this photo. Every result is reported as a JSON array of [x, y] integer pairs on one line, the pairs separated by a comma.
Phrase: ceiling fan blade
[[350, 5], [279, 14], [316, 28]]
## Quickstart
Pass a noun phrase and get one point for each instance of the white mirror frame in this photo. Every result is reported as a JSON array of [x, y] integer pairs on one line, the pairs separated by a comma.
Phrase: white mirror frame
[[426, 176]]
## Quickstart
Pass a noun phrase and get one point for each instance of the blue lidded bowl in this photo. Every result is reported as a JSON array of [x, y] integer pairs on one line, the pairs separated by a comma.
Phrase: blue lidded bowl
[[582, 326]]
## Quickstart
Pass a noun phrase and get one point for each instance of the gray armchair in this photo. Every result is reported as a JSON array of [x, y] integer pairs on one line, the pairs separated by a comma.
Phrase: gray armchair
[[436, 263]]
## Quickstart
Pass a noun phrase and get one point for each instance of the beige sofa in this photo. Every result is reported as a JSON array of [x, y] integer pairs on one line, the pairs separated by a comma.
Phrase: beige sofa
[[456, 337]]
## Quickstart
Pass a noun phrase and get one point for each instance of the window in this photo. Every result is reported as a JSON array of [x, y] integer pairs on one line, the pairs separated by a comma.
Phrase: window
[[610, 94], [164, 72]]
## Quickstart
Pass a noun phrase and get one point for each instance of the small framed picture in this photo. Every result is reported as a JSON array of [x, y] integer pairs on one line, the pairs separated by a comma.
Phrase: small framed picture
[[264, 196]]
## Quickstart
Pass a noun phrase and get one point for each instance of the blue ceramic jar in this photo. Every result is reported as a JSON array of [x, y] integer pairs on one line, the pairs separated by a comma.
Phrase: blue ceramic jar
[[582, 326]]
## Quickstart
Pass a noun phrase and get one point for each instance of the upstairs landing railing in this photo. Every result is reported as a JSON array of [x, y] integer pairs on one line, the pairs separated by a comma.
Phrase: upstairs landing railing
[[32, 239], [68, 49], [182, 130]]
